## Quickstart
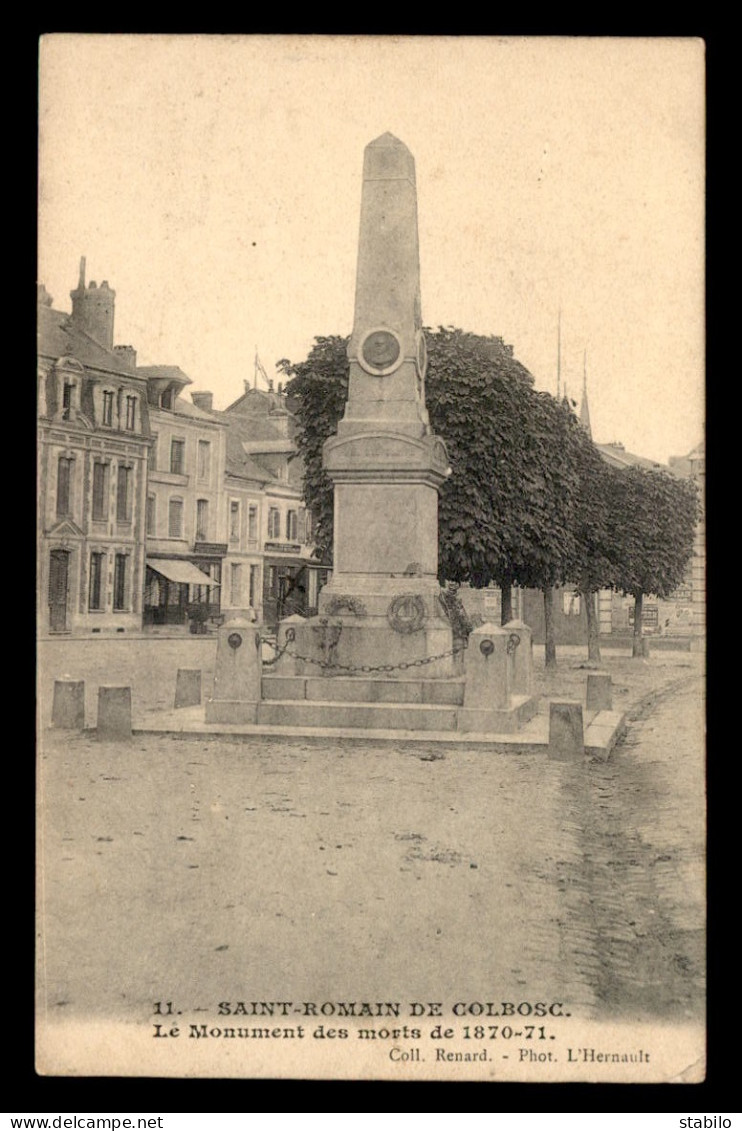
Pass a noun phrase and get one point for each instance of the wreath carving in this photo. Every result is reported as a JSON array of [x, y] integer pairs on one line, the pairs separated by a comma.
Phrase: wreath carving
[[342, 601], [406, 613]]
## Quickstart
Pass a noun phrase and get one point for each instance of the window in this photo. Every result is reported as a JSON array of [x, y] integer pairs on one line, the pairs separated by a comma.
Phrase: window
[[204, 460], [234, 521], [151, 514], [153, 454], [131, 413], [64, 486], [235, 584], [123, 494], [119, 582], [202, 520], [177, 457], [100, 491], [67, 392], [302, 524], [292, 526], [274, 523], [253, 585], [108, 408], [166, 400], [272, 579], [175, 518], [96, 579], [252, 524]]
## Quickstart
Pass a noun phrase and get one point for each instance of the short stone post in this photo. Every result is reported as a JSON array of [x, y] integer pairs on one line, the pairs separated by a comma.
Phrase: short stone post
[[188, 687], [114, 713], [566, 732], [522, 657], [487, 689], [237, 674], [599, 693], [68, 707]]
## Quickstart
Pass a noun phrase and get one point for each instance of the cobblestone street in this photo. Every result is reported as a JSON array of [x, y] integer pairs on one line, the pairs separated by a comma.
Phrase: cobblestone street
[[201, 871]]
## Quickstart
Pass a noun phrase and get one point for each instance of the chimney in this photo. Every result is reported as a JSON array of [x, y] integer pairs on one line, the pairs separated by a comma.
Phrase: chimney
[[204, 401], [43, 298], [127, 355], [92, 309]]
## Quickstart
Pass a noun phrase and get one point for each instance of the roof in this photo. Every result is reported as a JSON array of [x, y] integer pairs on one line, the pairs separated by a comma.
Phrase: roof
[[617, 456], [58, 336], [185, 408], [238, 460], [164, 372]]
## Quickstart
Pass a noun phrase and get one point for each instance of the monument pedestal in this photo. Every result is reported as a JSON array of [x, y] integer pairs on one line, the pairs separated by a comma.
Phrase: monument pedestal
[[392, 625]]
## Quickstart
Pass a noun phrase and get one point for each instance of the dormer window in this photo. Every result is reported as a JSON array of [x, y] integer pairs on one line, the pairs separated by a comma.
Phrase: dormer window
[[131, 413], [166, 400], [108, 409]]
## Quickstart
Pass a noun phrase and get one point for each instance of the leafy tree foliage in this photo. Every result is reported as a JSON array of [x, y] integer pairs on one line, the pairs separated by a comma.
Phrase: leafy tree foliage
[[317, 392], [652, 523]]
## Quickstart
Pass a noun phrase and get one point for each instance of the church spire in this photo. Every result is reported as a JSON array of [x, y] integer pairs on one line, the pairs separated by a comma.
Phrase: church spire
[[585, 408]]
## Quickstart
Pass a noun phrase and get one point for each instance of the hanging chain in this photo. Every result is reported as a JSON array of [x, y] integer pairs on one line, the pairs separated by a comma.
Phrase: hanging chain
[[365, 669], [290, 637]]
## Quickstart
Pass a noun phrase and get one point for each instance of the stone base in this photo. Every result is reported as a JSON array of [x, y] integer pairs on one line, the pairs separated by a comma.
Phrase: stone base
[[364, 689], [230, 711], [505, 720], [346, 645]]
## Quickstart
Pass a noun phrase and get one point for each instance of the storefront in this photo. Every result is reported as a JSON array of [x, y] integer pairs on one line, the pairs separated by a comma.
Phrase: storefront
[[179, 591], [291, 583]]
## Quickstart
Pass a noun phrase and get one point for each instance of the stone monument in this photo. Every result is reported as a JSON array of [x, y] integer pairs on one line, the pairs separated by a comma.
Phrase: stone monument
[[382, 606]]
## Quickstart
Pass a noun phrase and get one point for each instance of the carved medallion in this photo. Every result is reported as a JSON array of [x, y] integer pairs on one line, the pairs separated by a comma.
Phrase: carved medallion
[[381, 352]]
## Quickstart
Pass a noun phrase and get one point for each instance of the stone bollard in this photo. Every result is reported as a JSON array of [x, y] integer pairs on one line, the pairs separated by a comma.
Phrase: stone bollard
[[599, 694], [114, 713], [237, 673], [566, 733], [68, 707], [188, 687], [522, 658], [487, 690]]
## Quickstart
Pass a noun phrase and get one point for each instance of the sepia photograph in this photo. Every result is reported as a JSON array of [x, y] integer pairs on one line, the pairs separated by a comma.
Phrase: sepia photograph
[[371, 465]]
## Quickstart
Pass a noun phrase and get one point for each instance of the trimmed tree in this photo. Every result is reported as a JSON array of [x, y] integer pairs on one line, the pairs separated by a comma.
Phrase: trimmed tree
[[653, 517], [593, 567]]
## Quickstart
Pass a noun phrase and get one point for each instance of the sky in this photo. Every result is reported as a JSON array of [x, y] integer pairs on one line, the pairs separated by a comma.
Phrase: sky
[[215, 183]]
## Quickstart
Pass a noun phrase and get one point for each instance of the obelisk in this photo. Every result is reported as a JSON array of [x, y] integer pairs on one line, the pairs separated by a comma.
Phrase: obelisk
[[385, 463]]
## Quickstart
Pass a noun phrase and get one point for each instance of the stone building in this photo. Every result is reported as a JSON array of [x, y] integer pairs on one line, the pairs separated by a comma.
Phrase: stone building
[[263, 453], [185, 520], [94, 437]]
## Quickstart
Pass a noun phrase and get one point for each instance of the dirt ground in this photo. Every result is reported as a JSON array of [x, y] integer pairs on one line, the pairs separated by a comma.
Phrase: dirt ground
[[200, 871]]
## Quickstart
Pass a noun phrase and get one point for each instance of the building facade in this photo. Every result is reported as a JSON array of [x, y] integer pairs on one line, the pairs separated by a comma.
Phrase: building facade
[[263, 451], [94, 438], [185, 522]]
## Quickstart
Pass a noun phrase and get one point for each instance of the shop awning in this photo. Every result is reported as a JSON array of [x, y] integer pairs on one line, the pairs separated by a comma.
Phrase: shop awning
[[186, 573]]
